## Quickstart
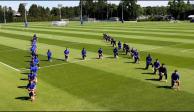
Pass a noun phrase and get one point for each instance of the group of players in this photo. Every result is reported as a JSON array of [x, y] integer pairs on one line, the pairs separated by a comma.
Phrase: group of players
[[157, 67], [34, 66]]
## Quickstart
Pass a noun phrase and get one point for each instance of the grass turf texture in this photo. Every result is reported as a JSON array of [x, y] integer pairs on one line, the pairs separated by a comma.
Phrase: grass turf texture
[[107, 84]]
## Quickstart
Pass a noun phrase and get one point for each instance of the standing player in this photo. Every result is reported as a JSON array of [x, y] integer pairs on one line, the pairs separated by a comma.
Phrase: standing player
[[148, 61], [115, 51], [100, 53], [162, 72], [66, 53], [83, 53], [156, 66], [49, 55], [175, 79]]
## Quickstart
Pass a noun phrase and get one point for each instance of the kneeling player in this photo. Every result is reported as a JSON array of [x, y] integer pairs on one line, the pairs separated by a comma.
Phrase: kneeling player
[[136, 56], [100, 53], [119, 45], [162, 72], [175, 79], [31, 89], [115, 51], [127, 49], [156, 66], [83, 53], [66, 52], [32, 77], [33, 69], [148, 61], [36, 61], [124, 47]]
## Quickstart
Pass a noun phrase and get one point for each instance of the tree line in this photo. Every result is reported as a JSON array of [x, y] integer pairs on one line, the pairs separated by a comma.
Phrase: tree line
[[99, 9]]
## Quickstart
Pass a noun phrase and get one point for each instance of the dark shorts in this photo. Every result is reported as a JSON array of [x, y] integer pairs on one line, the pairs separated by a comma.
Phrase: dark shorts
[[31, 94]]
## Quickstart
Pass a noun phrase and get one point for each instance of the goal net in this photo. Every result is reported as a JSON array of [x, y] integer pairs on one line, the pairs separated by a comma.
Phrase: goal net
[[63, 22]]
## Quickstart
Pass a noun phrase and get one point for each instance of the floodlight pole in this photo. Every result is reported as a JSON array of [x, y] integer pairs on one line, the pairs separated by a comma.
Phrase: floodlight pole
[[4, 14], [60, 5], [81, 18], [26, 22], [25, 11], [122, 13], [107, 10]]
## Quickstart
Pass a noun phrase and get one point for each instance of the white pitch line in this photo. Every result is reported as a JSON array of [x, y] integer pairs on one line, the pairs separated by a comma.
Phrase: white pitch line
[[10, 66], [151, 49], [186, 50], [61, 64]]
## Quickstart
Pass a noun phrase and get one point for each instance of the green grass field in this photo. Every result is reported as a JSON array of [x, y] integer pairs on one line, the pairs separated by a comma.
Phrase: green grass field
[[107, 84]]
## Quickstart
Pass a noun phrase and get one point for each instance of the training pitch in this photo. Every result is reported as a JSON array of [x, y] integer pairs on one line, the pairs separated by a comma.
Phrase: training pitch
[[108, 84]]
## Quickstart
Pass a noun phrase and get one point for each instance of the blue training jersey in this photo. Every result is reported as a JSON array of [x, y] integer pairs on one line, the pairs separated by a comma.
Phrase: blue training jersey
[[175, 76], [66, 52], [149, 59], [136, 54], [100, 51], [115, 50], [32, 76], [36, 60], [31, 86], [157, 64], [84, 52], [49, 54], [34, 69]]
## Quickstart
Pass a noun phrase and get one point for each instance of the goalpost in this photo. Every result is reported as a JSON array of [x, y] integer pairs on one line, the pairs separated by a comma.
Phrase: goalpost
[[63, 22]]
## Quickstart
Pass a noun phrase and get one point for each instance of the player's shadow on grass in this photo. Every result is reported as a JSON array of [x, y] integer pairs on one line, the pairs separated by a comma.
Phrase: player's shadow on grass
[[110, 57], [148, 73], [22, 87], [60, 59], [95, 58], [152, 79], [44, 60], [25, 73], [126, 57], [28, 61], [78, 58], [130, 62], [24, 79], [165, 87], [140, 68], [27, 56], [23, 98]]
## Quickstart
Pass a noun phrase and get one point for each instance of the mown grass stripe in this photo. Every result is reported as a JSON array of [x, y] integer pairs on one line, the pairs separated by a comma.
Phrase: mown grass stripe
[[91, 47], [185, 62], [84, 40], [131, 39], [124, 33], [120, 29]]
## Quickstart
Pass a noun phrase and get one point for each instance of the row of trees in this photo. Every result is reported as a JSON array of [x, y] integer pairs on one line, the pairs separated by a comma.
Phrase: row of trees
[[101, 10], [9, 14]]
